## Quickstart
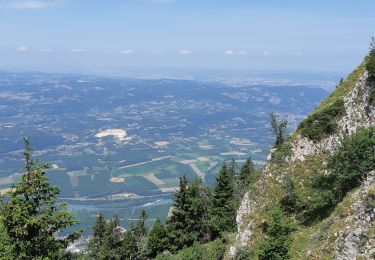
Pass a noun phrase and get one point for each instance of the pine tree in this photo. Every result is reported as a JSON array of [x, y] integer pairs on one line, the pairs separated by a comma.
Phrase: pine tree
[[223, 214], [31, 215], [130, 248], [176, 225], [156, 239], [197, 211], [140, 233], [247, 172], [111, 243], [233, 167], [96, 241], [140, 228]]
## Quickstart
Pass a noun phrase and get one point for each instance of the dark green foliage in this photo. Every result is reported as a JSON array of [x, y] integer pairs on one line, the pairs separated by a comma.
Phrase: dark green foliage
[[290, 202], [214, 250], [348, 166], [372, 96], [233, 167], [224, 204], [244, 253], [278, 129], [130, 246], [282, 152], [322, 123], [197, 251], [278, 235], [247, 173], [188, 221], [197, 211], [157, 239], [140, 228], [31, 215], [176, 227], [370, 64], [111, 243], [96, 241]]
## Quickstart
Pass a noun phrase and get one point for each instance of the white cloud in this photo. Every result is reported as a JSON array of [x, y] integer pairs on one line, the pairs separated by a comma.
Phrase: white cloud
[[157, 52], [242, 53], [266, 53], [185, 52], [46, 50], [28, 4], [127, 52], [228, 52], [78, 50], [22, 48]]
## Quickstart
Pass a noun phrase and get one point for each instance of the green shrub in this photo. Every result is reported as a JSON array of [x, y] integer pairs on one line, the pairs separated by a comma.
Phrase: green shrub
[[244, 253], [372, 97], [323, 123], [370, 65], [349, 166], [290, 202], [282, 152], [197, 251], [278, 235], [354, 159]]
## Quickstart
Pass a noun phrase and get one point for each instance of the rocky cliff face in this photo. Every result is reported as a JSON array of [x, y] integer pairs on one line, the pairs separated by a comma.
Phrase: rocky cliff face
[[348, 233], [358, 114]]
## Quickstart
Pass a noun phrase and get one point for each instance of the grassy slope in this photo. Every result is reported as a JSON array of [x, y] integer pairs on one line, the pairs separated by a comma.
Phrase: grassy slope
[[340, 92], [268, 189]]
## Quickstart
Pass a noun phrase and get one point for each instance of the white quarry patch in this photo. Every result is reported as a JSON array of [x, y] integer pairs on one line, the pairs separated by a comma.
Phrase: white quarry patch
[[118, 133], [161, 143], [54, 166]]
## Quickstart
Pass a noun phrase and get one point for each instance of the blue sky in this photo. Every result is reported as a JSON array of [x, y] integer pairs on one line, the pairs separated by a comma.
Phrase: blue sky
[[319, 35]]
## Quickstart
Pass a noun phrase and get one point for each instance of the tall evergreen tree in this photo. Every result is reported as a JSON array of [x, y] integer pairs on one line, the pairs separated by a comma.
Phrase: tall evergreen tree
[[140, 233], [31, 215], [96, 242], [140, 228], [247, 172], [111, 244], [223, 214], [130, 248], [197, 211], [156, 238], [176, 222], [233, 167]]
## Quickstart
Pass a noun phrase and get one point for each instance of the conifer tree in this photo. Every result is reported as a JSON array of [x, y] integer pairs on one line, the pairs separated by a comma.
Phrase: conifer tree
[[31, 215], [223, 214], [176, 223], [140, 228], [129, 248], [111, 244], [197, 211], [233, 167], [156, 238], [96, 242], [247, 172]]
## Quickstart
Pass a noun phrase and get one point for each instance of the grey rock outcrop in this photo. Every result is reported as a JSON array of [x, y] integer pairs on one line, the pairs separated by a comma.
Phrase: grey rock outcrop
[[353, 242]]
